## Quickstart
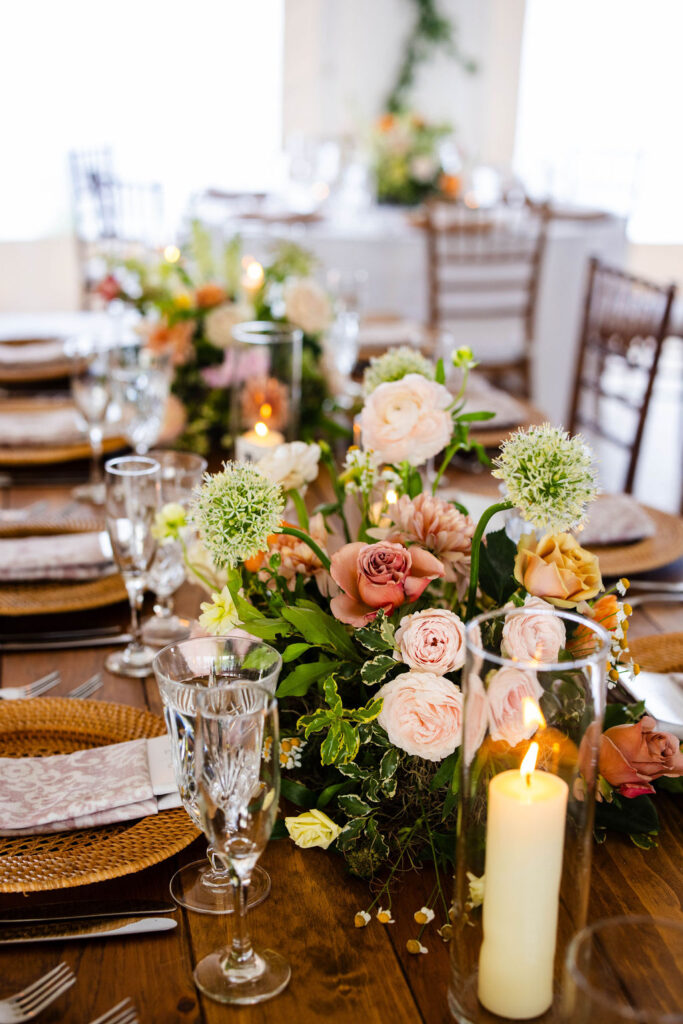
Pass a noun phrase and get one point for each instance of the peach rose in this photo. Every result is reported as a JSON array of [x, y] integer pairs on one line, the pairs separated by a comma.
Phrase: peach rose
[[506, 691], [422, 714], [633, 756], [534, 636], [557, 568], [432, 641], [382, 575], [177, 340], [407, 420], [476, 716], [210, 294]]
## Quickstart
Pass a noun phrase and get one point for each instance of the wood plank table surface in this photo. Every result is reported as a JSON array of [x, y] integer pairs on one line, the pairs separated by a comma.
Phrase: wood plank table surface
[[339, 973]]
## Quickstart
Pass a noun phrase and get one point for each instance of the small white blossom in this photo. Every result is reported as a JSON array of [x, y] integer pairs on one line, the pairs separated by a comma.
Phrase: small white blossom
[[360, 470], [361, 919], [219, 615], [424, 915], [476, 890], [384, 916], [292, 466]]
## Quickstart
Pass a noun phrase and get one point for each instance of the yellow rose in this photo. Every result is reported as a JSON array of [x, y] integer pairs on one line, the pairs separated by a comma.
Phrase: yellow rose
[[558, 569], [313, 828]]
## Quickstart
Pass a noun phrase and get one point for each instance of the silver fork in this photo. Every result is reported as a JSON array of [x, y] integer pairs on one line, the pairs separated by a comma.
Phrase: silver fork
[[123, 1013], [28, 1003], [34, 689], [87, 688]]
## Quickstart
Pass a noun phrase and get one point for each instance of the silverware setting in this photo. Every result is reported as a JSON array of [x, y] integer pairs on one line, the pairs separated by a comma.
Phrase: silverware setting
[[87, 688], [123, 1013], [80, 910], [31, 1001], [651, 597], [82, 929], [35, 689]]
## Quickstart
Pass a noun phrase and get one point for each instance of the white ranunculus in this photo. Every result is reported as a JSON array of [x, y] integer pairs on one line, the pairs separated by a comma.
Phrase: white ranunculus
[[292, 466], [219, 323], [407, 420], [307, 305]]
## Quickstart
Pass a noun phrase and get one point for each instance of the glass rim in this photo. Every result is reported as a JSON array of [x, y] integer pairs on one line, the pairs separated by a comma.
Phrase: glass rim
[[595, 927], [544, 666], [160, 454], [269, 704], [147, 466], [156, 662], [266, 332]]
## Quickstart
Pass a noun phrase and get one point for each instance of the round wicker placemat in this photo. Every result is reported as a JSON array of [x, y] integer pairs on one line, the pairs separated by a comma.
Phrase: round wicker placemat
[[665, 546], [659, 652], [56, 725], [27, 373]]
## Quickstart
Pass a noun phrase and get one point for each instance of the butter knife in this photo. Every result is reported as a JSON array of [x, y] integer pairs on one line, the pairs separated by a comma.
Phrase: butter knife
[[76, 911], [94, 928], [58, 645]]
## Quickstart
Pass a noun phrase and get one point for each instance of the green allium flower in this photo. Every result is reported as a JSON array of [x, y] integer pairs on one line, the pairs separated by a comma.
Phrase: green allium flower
[[549, 476], [236, 510], [395, 365]]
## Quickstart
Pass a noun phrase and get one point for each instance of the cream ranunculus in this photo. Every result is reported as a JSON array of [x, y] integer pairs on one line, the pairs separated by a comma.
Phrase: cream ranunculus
[[422, 714], [432, 641], [219, 615], [307, 305], [219, 323], [407, 420], [312, 828], [292, 466], [536, 635], [557, 568], [507, 689]]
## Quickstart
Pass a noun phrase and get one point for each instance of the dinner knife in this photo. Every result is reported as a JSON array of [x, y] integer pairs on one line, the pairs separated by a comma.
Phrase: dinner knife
[[78, 910], [60, 645], [92, 928]]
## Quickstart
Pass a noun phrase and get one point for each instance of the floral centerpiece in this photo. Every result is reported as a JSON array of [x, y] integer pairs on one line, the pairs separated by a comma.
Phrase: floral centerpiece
[[367, 598], [192, 301], [406, 161]]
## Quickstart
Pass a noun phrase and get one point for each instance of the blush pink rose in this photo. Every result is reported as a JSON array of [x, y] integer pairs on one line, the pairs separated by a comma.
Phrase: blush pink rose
[[633, 756], [534, 636], [407, 420], [476, 716], [506, 691], [432, 641], [422, 714], [382, 575]]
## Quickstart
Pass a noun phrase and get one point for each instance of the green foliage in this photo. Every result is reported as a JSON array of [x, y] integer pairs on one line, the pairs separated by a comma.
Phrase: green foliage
[[635, 817], [321, 630], [300, 679], [374, 671], [623, 714], [378, 635], [342, 739], [497, 563]]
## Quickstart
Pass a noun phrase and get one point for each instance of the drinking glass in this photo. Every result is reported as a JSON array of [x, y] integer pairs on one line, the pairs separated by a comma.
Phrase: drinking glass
[[237, 776], [141, 381], [182, 671], [625, 969], [91, 392], [132, 500], [180, 473]]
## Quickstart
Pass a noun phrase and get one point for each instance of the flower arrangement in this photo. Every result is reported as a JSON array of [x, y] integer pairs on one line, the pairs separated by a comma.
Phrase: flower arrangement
[[367, 600], [192, 301], [406, 162]]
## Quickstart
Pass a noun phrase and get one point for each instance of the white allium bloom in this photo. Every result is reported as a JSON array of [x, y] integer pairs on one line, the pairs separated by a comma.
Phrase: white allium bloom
[[394, 365], [549, 476], [219, 323], [292, 466], [307, 305]]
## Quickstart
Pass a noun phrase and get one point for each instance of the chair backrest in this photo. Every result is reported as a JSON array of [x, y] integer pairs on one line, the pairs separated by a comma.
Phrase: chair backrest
[[107, 208], [484, 265], [624, 326]]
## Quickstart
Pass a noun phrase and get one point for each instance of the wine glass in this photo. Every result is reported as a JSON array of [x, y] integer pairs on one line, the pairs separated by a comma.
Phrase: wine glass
[[182, 671], [91, 392], [180, 473], [141, 381], [132, 500], [237, 777]]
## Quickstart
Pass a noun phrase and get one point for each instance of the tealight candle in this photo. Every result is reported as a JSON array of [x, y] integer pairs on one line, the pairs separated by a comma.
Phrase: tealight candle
[[252, 445], [524, 846], [253, 276]]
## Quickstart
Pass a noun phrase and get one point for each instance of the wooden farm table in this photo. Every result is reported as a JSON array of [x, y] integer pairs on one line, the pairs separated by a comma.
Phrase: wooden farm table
[[339, 973]]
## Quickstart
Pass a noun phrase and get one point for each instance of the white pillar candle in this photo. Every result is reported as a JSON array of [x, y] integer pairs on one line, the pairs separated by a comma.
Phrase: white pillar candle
[[524, 845], [252, 445]]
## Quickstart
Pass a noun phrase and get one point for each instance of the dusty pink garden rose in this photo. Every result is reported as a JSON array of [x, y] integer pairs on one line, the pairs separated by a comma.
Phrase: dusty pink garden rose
[[422, 714], [476, 716], [440, 528], [432, 641], [633, 756], [534, 636], [382, 575], [507, 689], [407, 420]]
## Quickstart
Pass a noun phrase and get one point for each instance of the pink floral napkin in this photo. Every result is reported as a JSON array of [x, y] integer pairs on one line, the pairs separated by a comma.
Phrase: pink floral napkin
[[120, 782], [32, 353], [37, 427], [615, 519], [69, 556]]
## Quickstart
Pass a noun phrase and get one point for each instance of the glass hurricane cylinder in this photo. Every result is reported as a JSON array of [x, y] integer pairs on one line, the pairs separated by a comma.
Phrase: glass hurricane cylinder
[[528, 772], [266, 389]]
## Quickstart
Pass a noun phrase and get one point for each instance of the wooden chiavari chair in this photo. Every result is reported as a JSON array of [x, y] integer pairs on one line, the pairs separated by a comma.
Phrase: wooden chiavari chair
[[625, 322]]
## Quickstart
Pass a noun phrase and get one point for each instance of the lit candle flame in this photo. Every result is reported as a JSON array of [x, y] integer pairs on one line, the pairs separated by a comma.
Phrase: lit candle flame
[[532, 714], [171, 253], [529, 762], [261, 429], [253, 273], [266, 411], [391, 497]]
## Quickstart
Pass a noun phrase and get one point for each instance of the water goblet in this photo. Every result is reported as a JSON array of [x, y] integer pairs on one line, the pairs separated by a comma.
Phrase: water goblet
[[237, 773], [183, 670], [91, 392], [132, 501], [141, 381]]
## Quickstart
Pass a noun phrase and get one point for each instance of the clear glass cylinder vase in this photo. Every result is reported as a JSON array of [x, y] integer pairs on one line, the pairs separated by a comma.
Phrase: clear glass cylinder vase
[[266, 392], [529, 767]]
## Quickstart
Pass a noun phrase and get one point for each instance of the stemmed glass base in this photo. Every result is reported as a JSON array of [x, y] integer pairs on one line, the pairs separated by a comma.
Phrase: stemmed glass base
[[192, 888], [162, 630], [264, 976], [93, 492], [135, 661]]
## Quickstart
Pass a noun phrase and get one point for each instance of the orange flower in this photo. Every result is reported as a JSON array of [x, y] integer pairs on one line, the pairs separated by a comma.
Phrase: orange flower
[[386, 122], [210, 294], [176, 339], [449, 185], [584, 641]]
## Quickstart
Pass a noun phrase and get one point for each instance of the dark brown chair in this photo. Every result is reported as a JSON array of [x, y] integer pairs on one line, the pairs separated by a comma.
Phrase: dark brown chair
[[625, 323], [483, 276]]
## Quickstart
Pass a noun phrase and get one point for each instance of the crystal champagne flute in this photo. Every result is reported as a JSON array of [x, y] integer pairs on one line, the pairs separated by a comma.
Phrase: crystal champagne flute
[[91, 392]]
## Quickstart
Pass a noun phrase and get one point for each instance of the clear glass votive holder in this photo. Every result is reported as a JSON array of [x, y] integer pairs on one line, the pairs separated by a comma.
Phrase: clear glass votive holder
[[528, 772]]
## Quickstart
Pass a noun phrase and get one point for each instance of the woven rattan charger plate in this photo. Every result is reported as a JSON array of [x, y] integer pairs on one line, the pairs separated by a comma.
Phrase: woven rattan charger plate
[[46, 454], [55, 725], [664, 547], [659, 652]]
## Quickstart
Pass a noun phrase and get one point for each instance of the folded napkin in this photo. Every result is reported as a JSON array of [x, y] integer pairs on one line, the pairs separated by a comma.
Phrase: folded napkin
[[31, 353], [69, 556], [483, 397], [385, 333], [616, 519], [120, 782], [40, 427]]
